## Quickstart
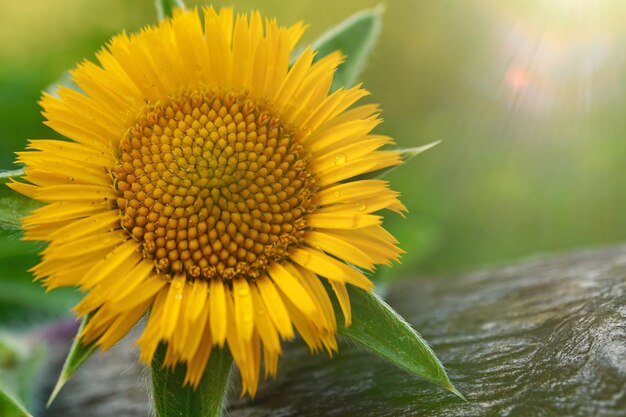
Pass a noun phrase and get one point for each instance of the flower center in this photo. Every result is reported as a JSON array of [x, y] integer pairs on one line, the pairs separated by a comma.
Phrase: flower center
[[213, 185]]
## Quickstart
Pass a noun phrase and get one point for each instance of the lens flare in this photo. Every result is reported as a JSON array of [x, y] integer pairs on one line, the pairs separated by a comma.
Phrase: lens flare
[[556, 57]]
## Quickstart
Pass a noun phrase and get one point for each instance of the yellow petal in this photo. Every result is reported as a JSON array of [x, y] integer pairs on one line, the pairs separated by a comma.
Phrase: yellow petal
[[292, 289], [264, 324], [173, 303], [329, 268], [217, 315], [339, 248], [275, 307], [342, 220], [244, 308]]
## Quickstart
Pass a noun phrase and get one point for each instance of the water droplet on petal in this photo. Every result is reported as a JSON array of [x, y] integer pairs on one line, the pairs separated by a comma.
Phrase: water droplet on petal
[[178, 296], [243, 291], [340, 159], [337, 194], [360, 207]]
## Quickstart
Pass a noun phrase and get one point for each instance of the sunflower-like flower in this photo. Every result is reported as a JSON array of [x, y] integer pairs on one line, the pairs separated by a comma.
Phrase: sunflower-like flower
[[212, 183]]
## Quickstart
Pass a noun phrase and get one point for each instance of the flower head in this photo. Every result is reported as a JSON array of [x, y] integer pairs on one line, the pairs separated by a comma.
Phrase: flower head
[[207, 181]]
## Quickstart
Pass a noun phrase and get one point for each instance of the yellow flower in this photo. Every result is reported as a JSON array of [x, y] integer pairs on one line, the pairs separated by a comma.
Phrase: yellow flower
[[208, 182]]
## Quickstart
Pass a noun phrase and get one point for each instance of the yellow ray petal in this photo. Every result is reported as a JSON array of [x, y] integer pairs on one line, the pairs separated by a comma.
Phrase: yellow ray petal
[[76, 193], [290, 286], [351, 191], [200, 330], [363, 111], [344, 301], [341, 134], [198, 298], [183, 323], [294, 78], [196, 365], [264, 324], [311, 283], [342, 220], [270, 362], [329, 268], [254, 364], [84, 246], [275, 307], [242, 50], [303, 323], [172, 306], [333, 105], [115, 263], [91, 110], [376, 245], [375, 161], [217, 33], [129, 283], [97, 325], [217, 315], [313, 88], [88, 225], [340, 248], [67, 277], [150, 286], [344, 154], [152, 335], [244, 308], [110, 86], [122, 324], [28, 190], [61, 211], [72, 174]]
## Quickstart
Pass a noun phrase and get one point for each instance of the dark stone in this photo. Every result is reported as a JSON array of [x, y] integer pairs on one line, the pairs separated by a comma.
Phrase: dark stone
[[543, 338]]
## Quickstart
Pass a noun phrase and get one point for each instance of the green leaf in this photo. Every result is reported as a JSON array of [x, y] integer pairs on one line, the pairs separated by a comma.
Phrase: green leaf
[[21, 362], [13, 205], [64, 81], [355, 37], [406, 154], [11, 406], [78, 354], [410, 153], [377, 327], [171, 398], [25, 303], [5, 175], [165, 8]]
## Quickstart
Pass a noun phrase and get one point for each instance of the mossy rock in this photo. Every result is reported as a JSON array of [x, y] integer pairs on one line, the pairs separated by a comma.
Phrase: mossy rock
[[545, 337]]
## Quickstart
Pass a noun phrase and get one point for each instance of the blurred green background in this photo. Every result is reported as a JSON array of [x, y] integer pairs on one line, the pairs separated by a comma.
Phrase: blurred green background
[[528, 98]]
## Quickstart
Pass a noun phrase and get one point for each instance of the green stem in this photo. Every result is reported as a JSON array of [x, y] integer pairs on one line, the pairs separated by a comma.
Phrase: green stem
[[171, 398], [165, 8]]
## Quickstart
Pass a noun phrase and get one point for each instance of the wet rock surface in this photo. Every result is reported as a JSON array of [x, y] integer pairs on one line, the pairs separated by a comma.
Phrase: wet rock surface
[[546, 337]]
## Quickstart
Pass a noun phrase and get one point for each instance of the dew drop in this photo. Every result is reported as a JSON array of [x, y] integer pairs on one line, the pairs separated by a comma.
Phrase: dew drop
[[337, 194], [340, 159], [178, 296], [360, 207], [243, 291]]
